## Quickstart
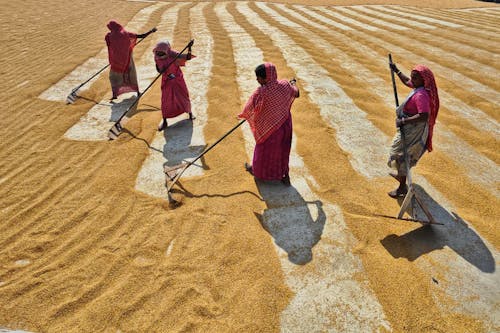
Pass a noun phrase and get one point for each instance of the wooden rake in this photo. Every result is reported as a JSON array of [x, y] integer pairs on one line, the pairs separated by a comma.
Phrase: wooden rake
[[172, 174], [408, 200]]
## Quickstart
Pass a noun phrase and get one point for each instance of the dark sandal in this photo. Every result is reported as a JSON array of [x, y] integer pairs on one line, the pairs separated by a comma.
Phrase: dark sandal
[[162, 125], [286, 180]]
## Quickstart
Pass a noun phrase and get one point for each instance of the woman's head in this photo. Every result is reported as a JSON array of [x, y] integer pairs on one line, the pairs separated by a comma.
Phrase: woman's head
[[114, 26], [266, 73], [416, 79], [161, 49], [422, 76]]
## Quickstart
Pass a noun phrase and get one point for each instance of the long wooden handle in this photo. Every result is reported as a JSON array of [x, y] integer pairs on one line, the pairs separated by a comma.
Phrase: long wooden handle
[[393, 81]]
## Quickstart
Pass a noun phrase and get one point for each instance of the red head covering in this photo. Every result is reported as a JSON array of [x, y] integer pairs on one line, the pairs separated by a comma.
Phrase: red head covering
[[269, 106], [165, 47], [430, 86], [120, 45]]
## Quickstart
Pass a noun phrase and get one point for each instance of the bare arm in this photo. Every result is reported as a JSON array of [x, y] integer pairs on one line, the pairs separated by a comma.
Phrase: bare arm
[[405, 79]]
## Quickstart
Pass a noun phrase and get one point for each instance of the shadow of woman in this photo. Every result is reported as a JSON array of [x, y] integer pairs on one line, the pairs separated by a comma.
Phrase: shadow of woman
[[295, 224], [177, 148], [119, 108], [454, 233]]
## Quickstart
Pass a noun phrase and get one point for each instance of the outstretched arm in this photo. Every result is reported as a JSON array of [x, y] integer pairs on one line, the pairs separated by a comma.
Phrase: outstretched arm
[[144, 35]]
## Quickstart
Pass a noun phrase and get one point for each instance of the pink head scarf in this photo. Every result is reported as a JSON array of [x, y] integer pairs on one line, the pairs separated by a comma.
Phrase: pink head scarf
[[120, 45], [269, 106], [430, 86]]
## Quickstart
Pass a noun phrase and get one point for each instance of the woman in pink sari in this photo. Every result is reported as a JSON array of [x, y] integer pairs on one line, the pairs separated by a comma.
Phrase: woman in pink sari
[[268, 114], [416, 117], [174, 92], [122, 75]]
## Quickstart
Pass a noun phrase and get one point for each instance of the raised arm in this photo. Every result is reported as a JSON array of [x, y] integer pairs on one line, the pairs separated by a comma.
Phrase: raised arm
[[405, 79]]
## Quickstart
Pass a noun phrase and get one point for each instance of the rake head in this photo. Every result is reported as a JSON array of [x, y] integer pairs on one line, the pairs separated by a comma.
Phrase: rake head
[[71, 97], [115, 131], [172, 174]]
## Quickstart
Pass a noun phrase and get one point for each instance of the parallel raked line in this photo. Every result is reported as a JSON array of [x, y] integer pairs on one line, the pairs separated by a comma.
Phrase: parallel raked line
[[474, 116], [247, 55], [461, 49], [466, 82], [458, 268], [471, 25], [478, 167], [411, 42]]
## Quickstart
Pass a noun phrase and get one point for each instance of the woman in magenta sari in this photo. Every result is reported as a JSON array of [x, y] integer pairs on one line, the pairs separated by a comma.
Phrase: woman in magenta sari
[[174, 92], [416, 117], [122, 75], [268, 114]]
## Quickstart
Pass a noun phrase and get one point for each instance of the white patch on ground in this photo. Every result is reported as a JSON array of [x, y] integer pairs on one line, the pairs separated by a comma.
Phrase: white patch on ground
[[22, 262], [460, 238], [22, 84], [303, 227], [94, 125], [6, 330], [60, 90], [169, 248], [183, 140]]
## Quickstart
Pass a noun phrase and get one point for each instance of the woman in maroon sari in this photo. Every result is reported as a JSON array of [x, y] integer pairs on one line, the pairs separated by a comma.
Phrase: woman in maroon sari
[[174, 92], [268, 113], [122, 75]]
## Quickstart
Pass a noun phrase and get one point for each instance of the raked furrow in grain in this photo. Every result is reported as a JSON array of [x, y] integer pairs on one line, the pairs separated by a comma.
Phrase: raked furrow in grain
[[459, 270], [323, 290], [183, 140]]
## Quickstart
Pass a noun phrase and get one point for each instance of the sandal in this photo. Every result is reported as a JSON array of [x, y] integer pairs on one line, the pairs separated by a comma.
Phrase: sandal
[[163, 124], [286, 180]]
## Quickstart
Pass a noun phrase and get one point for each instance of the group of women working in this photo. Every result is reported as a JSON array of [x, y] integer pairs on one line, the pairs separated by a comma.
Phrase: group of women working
[[268, 108]]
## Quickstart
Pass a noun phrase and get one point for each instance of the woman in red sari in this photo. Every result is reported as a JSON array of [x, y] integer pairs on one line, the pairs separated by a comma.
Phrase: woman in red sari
[[416, 117], [122, 75], [174, 92], [268, 113]]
